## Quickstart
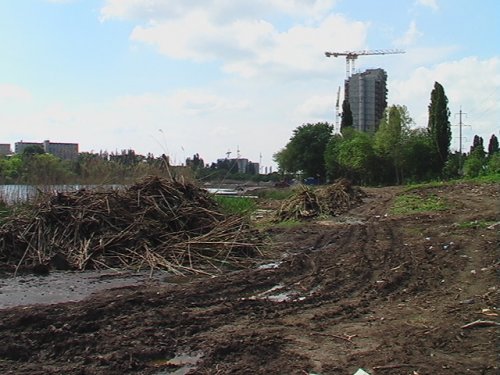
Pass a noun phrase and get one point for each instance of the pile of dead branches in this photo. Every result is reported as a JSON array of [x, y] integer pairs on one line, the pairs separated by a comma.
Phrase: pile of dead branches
[[155, 224], [330, 200]]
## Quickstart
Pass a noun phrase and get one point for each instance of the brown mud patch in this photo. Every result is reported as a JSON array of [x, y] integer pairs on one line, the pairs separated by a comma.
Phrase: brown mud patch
[[386, 293]]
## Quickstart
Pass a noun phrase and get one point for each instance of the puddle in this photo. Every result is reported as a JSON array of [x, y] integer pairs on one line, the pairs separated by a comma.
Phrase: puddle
[[65, 286], [181, 364]]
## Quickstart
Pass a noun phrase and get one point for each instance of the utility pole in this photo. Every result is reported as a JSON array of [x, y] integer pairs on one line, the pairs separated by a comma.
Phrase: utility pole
[[460, 125]]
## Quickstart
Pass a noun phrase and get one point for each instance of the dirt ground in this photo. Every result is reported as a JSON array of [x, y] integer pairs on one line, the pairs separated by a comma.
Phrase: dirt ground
[[371, 290]]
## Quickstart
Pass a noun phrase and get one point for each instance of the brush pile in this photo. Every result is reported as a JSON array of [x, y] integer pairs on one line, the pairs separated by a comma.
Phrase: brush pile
[[155, 224], [331, 200]]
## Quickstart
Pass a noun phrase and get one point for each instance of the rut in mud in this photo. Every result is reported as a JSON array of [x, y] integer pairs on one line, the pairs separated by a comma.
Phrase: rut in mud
[[387, 293]]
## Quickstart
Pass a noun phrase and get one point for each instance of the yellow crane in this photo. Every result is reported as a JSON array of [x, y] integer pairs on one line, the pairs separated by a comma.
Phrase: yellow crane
[[351, 56]]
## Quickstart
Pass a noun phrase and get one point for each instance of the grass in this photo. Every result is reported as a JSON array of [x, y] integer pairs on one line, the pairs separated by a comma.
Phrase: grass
[[476, 224], [236, 205], [411, 203], [275, 194], [486, 179]]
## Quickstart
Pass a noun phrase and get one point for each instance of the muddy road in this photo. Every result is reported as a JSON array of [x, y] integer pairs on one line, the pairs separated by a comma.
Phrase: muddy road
[[413, 293]]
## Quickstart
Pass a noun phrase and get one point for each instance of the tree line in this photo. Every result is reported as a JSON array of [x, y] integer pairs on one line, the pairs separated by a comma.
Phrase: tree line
[[397, 153], [35, 167]]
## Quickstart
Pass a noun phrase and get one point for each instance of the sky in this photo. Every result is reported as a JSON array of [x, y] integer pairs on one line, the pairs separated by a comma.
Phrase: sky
[[181, 77]]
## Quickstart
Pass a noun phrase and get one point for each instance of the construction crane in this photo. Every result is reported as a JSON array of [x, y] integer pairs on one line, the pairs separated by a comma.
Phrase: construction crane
[[351, 56]]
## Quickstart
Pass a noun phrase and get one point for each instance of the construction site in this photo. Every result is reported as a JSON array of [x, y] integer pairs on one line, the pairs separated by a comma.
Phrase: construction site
[[157, 280]]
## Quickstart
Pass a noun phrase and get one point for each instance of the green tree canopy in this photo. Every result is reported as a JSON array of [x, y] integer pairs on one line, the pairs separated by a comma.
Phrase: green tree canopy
[[305, 150], [439, 124], [493, 145], [356, 158], [391, 135]]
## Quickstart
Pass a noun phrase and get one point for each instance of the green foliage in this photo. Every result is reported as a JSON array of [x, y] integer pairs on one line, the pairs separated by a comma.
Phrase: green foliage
[[493, 145], [439, 125], [33, 150], [493, 166], [475, 164], [46, 169], [476, 224], [412, 203], [236, 205], [419, 156], [305, 150], [355, 157], [333, 169], [390, 137], [275, 194]]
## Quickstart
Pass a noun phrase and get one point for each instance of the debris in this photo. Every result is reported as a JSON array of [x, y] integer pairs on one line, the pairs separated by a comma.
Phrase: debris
[[481, 323], [154, 224], [361, 372], [331, 200]]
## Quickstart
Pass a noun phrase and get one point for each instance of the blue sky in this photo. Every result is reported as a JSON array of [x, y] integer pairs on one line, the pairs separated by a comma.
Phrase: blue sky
[[211, 76]]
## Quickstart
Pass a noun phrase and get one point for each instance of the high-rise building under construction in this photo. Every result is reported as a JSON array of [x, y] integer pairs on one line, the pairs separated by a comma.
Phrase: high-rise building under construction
[[367, 96]]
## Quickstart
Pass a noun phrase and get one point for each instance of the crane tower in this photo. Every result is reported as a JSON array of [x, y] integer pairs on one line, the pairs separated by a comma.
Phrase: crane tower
[[351, 56]]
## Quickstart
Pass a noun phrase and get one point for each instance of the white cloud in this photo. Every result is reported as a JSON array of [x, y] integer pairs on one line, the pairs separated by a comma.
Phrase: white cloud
[[469, 83], [428, 3], [317, 108], [252, 47], [13, 92], [411, 35]]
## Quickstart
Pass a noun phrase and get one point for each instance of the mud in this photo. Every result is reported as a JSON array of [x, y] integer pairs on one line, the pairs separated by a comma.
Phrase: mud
[[386, 293]]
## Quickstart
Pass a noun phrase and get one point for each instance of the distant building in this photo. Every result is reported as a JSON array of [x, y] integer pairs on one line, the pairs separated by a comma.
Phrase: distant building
[[367, 96], [5, 149], [64, 151], [239, 165]]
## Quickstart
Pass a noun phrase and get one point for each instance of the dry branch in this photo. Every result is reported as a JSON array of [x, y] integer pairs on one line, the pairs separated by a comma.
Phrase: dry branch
[[153, 224], [331, 200]]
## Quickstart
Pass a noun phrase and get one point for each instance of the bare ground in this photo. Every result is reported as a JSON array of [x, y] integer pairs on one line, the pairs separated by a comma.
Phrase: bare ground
[[391, 294]]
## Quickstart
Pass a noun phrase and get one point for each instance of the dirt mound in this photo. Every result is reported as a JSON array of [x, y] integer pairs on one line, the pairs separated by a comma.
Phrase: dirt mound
[[155, 223], [331, 200]]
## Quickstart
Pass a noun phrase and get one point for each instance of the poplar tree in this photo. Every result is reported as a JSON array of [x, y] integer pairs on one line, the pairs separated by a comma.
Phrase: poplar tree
[[493, 145], [347, 119], [439, 124]]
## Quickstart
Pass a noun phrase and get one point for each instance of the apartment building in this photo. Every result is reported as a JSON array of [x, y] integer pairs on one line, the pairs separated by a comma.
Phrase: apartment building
[[64, 151], [367, 96]]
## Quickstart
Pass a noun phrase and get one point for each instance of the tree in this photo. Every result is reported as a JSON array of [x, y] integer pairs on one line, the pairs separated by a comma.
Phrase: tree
[[493, 145], [305, 150], [478, 146], [33, 150], [332, 166], [356, 157], [476, 161], [347, 119], [439, 124], [419, 156], [390, 137]]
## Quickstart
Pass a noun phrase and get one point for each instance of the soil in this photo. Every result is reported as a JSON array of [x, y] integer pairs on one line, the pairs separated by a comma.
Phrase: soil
[[371, 290]]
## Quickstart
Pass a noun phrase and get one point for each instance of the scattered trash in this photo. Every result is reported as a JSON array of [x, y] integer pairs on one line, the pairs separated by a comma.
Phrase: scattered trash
[[493, 226], [361, 372], [469, 301]]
